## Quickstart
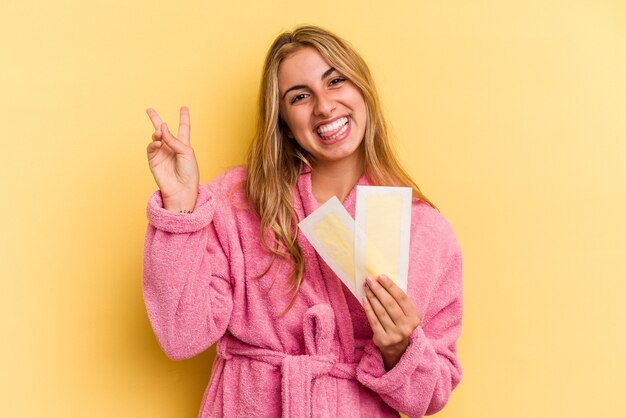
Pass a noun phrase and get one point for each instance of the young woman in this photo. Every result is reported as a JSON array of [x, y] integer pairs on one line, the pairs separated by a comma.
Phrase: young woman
[[224, 262]]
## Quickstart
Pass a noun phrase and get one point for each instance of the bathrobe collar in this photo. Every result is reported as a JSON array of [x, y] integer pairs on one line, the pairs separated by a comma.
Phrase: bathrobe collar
[[307, 202]]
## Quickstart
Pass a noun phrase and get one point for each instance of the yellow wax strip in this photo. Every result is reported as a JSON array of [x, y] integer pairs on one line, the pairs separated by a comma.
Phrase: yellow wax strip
[[338, 241], [383, 216]]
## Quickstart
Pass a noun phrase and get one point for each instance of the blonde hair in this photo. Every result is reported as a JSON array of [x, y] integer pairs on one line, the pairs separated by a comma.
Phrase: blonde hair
[[275, 162]]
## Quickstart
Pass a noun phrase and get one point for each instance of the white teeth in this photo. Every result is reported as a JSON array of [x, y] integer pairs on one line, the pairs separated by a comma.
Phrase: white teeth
[[332, 126], [337, 134]]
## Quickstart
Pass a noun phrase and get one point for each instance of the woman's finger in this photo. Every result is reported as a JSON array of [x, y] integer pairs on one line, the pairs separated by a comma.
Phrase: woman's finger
[[401, 298], [154, 117], [184, 129], [153, 146], [157, 135], [391, 306], [377, 328], [177, 146], [380, 311]]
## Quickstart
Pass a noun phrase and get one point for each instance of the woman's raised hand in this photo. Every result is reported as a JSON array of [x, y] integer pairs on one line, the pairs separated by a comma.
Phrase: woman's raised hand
[[173, 163]]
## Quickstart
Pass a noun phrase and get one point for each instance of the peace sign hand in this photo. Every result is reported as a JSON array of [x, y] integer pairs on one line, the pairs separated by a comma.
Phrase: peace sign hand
[[173, 163]]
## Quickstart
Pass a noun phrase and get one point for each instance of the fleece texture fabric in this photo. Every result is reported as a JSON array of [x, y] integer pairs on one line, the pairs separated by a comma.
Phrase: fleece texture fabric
[[206, 280]]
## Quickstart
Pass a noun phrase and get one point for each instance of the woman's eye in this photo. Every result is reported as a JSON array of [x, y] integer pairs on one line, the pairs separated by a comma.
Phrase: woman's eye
[[336, 81], [298, 97]]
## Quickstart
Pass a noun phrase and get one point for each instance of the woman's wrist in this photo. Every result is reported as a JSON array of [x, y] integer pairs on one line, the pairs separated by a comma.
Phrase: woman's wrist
[[181, 202], [392, 356]]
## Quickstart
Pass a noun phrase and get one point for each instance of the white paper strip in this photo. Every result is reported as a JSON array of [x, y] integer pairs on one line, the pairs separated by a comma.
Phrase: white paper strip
[[382, 232], [330, 230]]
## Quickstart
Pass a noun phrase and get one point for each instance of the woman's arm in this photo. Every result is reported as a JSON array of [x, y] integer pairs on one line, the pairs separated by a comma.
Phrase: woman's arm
[[186, 277], [428, 370]]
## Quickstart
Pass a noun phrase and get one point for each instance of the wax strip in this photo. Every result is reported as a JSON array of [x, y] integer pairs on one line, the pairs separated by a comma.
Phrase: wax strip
[[330, 230], [382, 234]]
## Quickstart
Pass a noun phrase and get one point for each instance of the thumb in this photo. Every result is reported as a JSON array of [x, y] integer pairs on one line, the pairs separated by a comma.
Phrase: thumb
[[177, 146]]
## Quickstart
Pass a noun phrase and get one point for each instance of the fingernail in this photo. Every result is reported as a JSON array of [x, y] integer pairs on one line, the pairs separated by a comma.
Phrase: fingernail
[[383, 278], [364, 301], [369, 280]]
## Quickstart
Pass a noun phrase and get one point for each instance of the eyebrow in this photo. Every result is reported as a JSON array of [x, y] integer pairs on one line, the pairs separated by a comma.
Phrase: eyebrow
[[303, 86]]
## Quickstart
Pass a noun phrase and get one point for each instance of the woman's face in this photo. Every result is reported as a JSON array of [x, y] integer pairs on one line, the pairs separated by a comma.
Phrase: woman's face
[[325, 113]]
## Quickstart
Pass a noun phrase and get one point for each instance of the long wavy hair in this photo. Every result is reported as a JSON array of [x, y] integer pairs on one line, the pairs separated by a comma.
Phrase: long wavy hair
[[275, 162]]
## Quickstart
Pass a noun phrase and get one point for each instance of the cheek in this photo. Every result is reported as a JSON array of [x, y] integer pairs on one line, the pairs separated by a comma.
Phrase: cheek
[[363, 111], [296, 121], [357, 103]]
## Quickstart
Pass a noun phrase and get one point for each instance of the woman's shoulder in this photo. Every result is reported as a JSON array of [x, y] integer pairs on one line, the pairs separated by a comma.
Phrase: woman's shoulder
[[232, 180], [431, 229], [229, 188], [230, 177]]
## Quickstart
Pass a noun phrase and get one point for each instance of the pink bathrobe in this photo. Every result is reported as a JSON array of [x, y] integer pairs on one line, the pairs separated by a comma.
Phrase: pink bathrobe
[[201, 286]]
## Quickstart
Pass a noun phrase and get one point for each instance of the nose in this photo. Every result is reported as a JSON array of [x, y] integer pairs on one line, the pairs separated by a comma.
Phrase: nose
[[324, 105]]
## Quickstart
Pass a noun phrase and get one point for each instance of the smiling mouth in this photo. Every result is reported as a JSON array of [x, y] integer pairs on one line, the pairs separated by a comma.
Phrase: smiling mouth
[[333, 130]]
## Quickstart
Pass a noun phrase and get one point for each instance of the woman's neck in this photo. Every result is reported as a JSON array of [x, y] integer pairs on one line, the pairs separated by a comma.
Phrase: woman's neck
[[336, 178]]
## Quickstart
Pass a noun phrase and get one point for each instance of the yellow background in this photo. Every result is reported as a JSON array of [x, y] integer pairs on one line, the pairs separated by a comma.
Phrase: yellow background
[[511, 116]]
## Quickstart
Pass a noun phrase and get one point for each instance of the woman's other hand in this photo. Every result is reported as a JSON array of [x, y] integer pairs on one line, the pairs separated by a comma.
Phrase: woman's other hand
[[392, 316], [173, 163]]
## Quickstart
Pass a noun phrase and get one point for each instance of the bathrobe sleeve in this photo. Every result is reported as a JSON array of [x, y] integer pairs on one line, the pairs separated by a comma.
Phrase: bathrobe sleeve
[[186, 279], [421, 383]]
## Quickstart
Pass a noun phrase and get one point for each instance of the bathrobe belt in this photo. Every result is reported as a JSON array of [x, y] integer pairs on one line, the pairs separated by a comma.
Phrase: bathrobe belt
[[298, 371]]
